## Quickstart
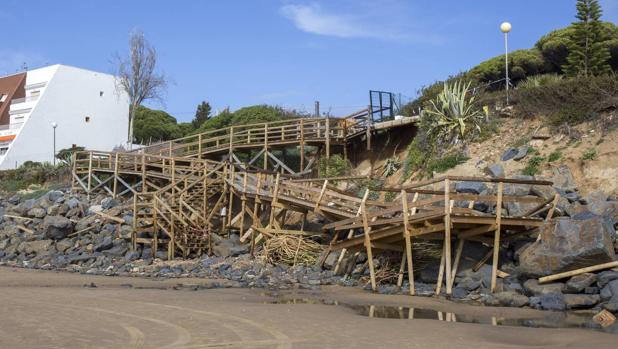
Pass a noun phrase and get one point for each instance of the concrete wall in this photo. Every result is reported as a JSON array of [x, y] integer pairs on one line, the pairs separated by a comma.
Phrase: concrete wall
[[70, 96]]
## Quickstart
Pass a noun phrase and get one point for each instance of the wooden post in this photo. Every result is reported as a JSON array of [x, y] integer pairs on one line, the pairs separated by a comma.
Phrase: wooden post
[[460, 245], [134, 225], [368, 128], [199, 146], [244, 204], [302, 145], [350, 232], [266, 146], [316, 208], [89, 173], [366, 231], [274, 201], [550, 213], [327, 137], [447, 235], [494, 266], [406, 234], [170, 149], [231, 146], [440, 274], [231, 200], [144, 189], [74, 164], [115, 184]]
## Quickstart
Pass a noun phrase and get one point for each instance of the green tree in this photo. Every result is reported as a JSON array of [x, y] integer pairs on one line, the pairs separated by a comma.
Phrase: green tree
[[588, 55], [243, 116], [201, 114], [156, 125]]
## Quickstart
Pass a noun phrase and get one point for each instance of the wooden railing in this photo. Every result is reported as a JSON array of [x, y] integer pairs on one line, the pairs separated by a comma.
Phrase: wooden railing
[[253, 135]]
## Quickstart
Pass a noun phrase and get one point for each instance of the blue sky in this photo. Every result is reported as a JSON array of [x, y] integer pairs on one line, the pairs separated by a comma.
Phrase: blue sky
[[285, 52]]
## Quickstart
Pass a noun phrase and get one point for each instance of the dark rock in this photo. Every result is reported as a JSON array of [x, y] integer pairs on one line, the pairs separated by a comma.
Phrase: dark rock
[[553, 301], [470, 187], [533, 288], [37, 212], [108, 203], [591, 290], [37, 246], [604, 277], [495, 171], [511, 299], [54, 195], [579, 282], [568, 244], [612, 305], [577, 301], [63, 245], [73, 203], [14, 200], [57, 227], [509, 154], [469, 284], [106, 244], [459, 293], [521, 153], [131, 256], [229, 247]]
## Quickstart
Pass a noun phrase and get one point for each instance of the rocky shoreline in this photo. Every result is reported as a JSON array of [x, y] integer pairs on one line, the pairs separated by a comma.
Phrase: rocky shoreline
[[68, 232]]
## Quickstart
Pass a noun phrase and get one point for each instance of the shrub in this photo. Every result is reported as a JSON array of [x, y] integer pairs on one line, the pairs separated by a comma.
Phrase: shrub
[[589, 154], [569, 101], [65, 155], [29, 173], [373, 185], [335, 166], [554, 156], [488, 129], [540, 81], [446, 162], [533, 167], [416, 156], [522, 63]]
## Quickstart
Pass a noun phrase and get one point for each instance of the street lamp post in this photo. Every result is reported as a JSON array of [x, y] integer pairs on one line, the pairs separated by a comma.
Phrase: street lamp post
[[54, 125], [506, 29]]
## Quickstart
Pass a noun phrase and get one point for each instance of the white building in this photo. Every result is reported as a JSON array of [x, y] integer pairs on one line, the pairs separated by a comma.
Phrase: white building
[[86, 106]]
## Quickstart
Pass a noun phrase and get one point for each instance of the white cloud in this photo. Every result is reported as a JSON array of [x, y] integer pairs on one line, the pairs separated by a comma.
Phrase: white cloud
[[362, 22], [312, 19]]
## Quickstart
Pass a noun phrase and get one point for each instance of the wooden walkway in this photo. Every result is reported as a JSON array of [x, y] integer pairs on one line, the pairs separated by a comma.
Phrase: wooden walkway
[[180, 200]]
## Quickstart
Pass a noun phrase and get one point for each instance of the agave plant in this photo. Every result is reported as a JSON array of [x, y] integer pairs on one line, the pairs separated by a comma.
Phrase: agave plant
[[453, 115]]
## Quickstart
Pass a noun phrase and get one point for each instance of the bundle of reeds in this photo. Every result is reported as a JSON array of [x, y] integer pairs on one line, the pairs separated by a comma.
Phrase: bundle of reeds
[[291, 250]]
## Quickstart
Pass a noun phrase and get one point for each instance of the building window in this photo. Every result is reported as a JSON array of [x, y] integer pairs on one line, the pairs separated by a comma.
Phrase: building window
[[87, 118], [101, 93], [3, 97]]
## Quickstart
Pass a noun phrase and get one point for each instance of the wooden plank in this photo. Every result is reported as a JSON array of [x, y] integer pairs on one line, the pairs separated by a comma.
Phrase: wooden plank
[[111, 218], [496, 253], [408, 239], [579, 271], [366, 231]]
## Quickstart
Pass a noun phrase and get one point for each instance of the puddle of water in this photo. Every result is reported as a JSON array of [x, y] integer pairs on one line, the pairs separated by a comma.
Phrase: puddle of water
[[548, 320]]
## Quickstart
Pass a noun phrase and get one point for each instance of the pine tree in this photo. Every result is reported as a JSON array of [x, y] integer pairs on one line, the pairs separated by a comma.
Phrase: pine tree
[[587, 53], [201, 114]]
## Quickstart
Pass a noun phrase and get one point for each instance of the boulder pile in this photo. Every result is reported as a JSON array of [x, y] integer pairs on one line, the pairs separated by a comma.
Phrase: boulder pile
[[64, 231]]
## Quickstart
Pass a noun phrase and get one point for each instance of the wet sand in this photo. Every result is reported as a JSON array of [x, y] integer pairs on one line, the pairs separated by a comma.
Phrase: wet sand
[[46, 309]]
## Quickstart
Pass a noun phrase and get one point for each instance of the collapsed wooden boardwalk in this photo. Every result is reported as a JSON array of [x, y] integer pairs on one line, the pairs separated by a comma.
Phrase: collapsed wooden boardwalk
[[185, 190]]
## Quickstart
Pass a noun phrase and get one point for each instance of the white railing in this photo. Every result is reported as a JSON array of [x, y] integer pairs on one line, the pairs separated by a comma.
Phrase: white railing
[[25, 99]]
